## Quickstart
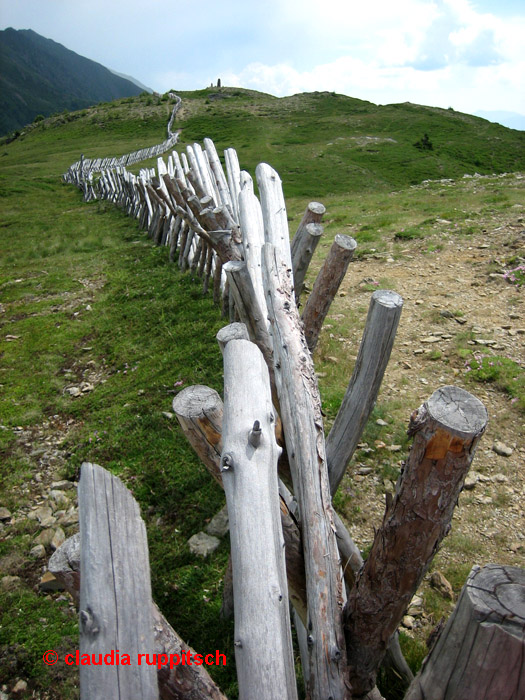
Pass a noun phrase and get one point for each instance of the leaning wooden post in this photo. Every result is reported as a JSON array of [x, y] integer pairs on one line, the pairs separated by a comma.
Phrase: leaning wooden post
[[263, 643], [115, 588], [446, 430], [374, 352], [199, 411], [325, 287], [479, 655], [302, 254], [300, 407]]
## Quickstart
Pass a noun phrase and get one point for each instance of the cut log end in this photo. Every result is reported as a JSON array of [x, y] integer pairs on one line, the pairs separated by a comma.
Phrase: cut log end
[[346, 242], [387, 298], [457, 411], [196, 400]]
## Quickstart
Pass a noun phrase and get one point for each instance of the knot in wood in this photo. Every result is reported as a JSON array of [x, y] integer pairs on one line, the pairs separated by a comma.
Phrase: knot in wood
[[310, 641], [226, 462], [88, 623], [254, 437]]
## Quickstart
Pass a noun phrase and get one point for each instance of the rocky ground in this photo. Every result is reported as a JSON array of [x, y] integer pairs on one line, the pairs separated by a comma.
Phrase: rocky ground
[[455, 295]]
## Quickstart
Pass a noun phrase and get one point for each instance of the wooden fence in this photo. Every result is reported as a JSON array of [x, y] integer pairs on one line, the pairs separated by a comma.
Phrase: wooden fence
[[267, 441]]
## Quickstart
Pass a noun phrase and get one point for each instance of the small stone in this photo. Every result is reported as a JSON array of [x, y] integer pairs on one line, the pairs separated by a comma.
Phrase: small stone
[[440, 583], [4, 514], [431, 339], [38, 551], [332, 359], [86, 387], [10, 583], [168, 415], [20, 687], [45, 537], [381, 422], [408, 622], [44, 515], [202, 544], [73, 391], [63, 485], [219, 524], [394, 448], [49, 583], [501, 449], [471, 480], [59, 497], [363, 471], [70, 518], [484, 500], [58, 539]]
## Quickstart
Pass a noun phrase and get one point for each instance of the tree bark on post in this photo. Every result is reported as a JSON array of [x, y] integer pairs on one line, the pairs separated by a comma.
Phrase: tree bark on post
[[446, 430], [302, 253], [361, 394], [300, 406], [479, 654], [249, 475], [325, 287]]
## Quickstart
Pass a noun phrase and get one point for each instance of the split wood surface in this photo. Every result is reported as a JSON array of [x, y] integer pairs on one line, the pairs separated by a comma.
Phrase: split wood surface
[[479, 654]]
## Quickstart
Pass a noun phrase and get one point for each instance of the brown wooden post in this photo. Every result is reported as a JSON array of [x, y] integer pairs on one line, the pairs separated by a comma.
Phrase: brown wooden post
[[325, 287], [446, 430]]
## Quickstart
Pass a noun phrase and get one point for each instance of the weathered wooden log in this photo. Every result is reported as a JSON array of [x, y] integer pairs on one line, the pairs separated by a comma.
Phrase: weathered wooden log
[[252, 226], [233, 173], [479, 654], [199, 411], [302, 253], [263, 639], [183, 681], [250, 313], [274, 211], [202, 425], [313, 214], [234, 331], [325, 287], [361, 394], [115, 588], [446, 431], [300, 407], [220, 178]]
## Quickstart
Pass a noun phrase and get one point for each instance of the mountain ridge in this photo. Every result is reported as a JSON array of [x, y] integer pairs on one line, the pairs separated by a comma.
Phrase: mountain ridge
[[39, 76]]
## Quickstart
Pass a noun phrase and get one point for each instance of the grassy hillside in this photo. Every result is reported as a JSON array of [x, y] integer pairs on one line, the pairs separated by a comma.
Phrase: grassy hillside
[[38, 76], [85, 297]]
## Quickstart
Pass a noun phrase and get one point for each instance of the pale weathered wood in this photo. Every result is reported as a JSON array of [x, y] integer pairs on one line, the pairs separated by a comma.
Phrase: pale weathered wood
[[274, 211], [250, 313], [199, 411], [361, 394], [263, 643], [234, 331], [233, 172], [446, 430], [325, 287], [300, 407], [115, 588], [220, 178], [183, 681], [480, 653], [252, 227]]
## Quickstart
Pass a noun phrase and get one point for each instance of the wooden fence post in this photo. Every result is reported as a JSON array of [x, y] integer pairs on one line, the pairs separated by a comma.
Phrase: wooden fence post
[[115, 589], [361, 394], [300, 407], [446, 430], [325, 287], [479, 654], [263, 643]]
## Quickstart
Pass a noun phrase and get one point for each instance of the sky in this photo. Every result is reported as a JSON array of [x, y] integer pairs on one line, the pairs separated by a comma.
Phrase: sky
[[464, 54]]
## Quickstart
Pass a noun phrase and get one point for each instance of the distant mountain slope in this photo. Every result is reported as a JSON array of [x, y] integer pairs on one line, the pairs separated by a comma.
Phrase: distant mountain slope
[[512, 120], [40, 76]]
